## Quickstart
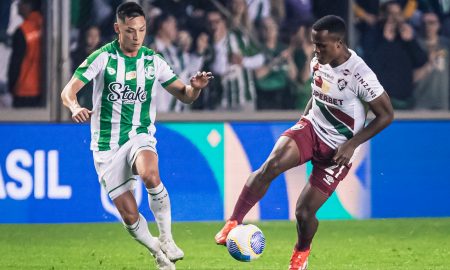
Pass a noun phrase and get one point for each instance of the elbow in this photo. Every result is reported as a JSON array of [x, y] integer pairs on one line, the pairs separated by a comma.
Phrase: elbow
[[388, 118], [63, 94]]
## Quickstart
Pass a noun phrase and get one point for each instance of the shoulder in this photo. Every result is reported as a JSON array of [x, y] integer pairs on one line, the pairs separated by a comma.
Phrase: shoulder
[[358, 66], [147, 51]]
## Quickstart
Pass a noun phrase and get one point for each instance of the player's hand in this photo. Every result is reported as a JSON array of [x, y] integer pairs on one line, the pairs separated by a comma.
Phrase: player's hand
[[201, 79], [344, 153], [81, 114]]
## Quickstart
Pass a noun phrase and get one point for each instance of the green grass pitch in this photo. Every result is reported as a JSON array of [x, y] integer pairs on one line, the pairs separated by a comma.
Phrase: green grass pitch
[[363, 245]]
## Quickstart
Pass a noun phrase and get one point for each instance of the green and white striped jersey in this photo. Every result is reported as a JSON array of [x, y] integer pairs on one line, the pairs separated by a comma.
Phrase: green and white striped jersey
[[124, 90], [338, 93]]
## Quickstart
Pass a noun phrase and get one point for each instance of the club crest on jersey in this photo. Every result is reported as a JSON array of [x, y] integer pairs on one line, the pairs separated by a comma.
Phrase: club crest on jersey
[[111, 71], [342, 84], [124, 93], [149, 72], [297, 127]]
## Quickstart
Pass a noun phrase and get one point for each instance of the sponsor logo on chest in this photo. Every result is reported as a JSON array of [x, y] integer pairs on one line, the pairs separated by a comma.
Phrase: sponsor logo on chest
[[118, 91], [325, 83]]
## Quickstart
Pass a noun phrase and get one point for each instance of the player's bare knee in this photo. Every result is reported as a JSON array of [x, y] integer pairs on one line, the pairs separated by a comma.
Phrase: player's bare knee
[[129, 217], [303, 213], [151, 178]]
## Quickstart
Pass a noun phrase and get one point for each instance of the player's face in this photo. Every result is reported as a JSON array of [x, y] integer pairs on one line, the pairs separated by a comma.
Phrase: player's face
[[131, 33], [326, 46]]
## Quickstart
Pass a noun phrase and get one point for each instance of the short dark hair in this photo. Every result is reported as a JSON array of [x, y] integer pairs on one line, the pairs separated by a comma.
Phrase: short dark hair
[[130, 10], [334, 24]]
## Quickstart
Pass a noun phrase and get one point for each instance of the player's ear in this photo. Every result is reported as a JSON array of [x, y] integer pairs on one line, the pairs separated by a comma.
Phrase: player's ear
[[116, 28]]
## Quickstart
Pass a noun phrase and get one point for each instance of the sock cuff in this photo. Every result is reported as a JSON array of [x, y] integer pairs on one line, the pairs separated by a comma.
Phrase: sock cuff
[[156, 190], [135, 226]]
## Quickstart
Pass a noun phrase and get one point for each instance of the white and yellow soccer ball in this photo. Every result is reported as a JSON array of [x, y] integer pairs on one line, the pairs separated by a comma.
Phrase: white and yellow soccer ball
[[246, 242]]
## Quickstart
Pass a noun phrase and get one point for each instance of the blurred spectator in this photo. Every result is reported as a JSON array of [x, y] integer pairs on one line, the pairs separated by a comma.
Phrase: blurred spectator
[[396, 55], [244, 56], [216, 59], [303, 52], [325, 7], [190, 62], [278, 11], [258, 10], [4, 19], [273, 78], [297, 13], [442, 9], [89, 42], [165, 35], [367, 14], [24, 73], [431, 89], [190, 14]]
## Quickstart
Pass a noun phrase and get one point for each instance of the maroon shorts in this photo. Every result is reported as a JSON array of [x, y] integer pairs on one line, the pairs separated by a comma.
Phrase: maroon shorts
[[325, 174]]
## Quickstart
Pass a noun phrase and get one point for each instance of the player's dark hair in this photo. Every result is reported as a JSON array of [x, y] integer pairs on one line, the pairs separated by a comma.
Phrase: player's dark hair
[[334, 24], [130, 10]]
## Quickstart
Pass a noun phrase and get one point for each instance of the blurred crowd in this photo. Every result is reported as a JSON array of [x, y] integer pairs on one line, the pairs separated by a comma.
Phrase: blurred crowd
[[258, 50]]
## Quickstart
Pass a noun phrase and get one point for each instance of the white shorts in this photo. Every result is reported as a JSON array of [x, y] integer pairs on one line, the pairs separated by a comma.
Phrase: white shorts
[[115, 167]]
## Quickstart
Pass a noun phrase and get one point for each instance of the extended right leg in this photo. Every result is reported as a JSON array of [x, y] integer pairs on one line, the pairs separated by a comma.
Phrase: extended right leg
[[285, 155], [136, 224]]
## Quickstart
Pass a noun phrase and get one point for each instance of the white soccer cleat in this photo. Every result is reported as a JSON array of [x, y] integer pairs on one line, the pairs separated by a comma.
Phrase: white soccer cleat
[[172, 251], [162, 262]]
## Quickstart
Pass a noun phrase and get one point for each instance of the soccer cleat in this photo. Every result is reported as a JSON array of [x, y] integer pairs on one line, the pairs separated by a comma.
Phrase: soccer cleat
[[221, 236], [172, 251], [299, 260], [162, 262]]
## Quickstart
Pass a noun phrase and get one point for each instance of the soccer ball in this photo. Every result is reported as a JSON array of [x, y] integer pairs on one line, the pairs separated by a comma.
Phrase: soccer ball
[[246, 243]]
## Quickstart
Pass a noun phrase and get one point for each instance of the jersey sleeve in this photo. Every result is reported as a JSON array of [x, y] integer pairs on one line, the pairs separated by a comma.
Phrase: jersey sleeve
[[164, 72], [92, 66], [366, 84]]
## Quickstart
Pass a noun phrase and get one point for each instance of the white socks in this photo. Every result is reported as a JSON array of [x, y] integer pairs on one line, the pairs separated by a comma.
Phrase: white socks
[[140, 232], [159, 202]]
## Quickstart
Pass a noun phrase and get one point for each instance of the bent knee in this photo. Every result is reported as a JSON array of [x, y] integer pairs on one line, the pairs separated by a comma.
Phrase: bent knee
[[129, 217], [304, 213], [150, 178]]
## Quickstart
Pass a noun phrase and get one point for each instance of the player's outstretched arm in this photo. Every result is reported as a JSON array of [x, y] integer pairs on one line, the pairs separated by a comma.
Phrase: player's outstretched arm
[[189, 93], [69, 99], [384, 114]]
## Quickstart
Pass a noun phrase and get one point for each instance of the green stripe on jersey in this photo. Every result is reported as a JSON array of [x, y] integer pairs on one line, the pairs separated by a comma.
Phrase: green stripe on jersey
[[126, 117], [338, 125], [106, 108]]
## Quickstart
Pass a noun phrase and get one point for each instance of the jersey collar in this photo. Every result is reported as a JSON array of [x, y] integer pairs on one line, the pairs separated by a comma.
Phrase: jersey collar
[[118, 49]]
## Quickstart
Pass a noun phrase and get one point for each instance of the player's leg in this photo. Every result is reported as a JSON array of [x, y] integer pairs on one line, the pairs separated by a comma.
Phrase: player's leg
[[146, 166], [285, 155], [117, 179], [324, 179], [308, 203], [136, 224]]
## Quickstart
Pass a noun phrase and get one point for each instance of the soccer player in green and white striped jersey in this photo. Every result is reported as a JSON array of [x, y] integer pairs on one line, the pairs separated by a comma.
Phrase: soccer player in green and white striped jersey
[[125, 74]]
